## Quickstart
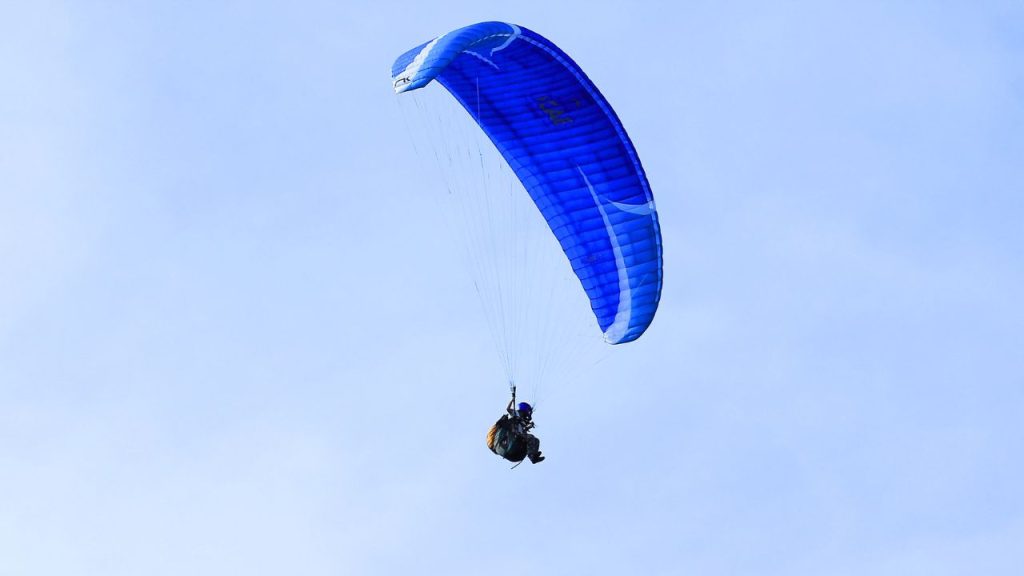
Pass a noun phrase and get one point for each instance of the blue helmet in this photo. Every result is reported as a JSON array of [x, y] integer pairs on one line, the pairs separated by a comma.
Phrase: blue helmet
[[524, 407]]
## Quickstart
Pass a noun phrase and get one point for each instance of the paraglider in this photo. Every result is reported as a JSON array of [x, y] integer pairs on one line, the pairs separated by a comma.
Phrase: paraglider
[[510, 436], [571, 153]]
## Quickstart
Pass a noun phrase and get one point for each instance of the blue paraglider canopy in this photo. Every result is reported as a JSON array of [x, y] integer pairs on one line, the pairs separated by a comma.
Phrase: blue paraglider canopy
[[570, 151]]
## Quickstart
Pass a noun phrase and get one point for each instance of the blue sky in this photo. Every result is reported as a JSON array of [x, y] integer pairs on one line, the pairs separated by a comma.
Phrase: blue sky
[[232, 339]]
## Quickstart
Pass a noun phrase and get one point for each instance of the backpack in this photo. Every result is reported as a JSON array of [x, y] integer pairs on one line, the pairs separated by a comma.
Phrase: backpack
[[503, 440]]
